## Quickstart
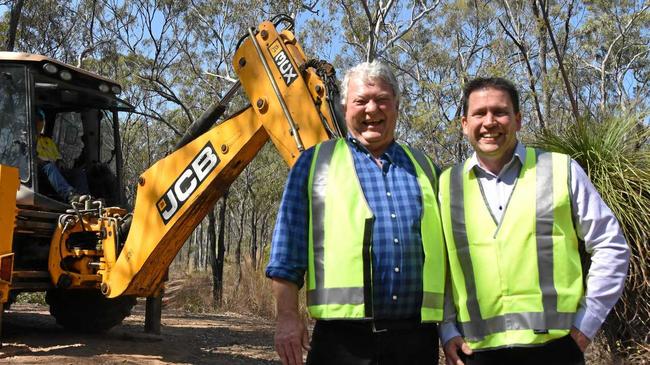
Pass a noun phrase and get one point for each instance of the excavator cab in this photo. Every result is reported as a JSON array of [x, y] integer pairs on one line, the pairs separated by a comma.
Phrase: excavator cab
[[79, 112]]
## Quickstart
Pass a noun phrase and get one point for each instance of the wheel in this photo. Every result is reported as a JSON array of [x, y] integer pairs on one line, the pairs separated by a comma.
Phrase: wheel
[[87, 310]]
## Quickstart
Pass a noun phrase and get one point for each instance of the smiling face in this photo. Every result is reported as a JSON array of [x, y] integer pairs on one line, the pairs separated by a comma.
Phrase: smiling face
[[371, 113], [491, 126]]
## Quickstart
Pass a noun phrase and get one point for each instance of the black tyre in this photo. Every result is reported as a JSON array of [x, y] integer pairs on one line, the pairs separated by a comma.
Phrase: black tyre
[[87, 310]]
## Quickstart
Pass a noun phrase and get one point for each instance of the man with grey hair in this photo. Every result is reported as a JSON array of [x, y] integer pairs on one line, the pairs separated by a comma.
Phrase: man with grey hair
[[352, 219]]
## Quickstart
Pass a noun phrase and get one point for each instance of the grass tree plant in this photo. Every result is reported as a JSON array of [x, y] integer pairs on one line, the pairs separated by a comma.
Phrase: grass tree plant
[[615, 153]]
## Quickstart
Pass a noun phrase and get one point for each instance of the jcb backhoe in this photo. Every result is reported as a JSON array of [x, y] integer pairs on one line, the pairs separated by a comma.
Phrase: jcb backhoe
[[94, 258]]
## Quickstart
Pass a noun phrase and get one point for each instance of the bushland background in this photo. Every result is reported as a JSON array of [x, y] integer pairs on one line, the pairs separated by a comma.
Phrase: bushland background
[[582, 68]]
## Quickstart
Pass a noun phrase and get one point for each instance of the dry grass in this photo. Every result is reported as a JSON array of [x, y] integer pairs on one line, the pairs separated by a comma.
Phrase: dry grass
[[248, 293], [251, 294], [599, 353]]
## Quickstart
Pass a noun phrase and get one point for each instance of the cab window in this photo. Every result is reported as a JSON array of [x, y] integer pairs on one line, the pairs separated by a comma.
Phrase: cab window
[[14, 150]]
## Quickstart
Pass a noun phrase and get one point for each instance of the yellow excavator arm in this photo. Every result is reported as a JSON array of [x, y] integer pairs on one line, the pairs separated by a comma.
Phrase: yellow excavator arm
[[291, 104]]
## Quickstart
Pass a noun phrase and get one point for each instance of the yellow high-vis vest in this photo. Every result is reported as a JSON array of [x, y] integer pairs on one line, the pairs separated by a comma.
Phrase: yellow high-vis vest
[[339, 274], [46, 149], [517, 282]]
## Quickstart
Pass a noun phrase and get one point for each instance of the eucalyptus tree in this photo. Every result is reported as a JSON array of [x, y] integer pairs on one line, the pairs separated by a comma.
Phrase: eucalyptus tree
[[51, 27], [14, 18], [614, 56], [600, 55]]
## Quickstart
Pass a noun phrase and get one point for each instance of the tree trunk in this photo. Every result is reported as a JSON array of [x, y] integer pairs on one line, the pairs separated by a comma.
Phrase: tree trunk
[[253, 229], [523, 49], [239, 240], [264, 238], [238, 261], [543, 51], [210, 236], [227, 230], [560, 63], [217, 263], [212, 257], [16, 11], [198, 239], [188, 258]]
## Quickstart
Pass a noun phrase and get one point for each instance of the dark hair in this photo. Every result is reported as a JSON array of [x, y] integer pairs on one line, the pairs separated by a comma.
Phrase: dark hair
[[498, 83]]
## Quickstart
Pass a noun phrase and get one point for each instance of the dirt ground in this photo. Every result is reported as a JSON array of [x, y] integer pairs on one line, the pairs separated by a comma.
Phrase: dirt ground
[[31, 336]]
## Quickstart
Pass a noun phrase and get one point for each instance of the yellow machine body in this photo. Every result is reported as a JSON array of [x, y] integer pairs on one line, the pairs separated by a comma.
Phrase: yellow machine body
[[9, 183], [176, 193]]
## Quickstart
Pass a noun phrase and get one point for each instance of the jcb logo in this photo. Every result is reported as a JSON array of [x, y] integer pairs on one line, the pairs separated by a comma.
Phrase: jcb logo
[[187, 183], [283, 63]]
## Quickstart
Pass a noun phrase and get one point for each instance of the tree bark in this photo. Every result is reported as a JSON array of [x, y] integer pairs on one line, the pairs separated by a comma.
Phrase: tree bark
[[543, 51], [217, 250], [16, 11], [253, 228], [239, 240], [188, 257], [560, 63], [523, 49], [212, 254]]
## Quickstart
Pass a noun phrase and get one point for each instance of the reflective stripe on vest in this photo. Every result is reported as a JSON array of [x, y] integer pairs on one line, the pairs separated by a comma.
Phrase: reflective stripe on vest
[[345, 291], [435, 256], [552, 220]]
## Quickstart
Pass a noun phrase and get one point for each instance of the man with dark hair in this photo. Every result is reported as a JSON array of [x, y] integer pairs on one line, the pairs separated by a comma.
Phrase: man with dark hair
[[496, 83], [513, 219], [359, 217]]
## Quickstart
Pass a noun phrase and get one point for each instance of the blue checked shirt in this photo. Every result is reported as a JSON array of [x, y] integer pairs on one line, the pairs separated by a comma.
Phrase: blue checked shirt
[[394, 196]]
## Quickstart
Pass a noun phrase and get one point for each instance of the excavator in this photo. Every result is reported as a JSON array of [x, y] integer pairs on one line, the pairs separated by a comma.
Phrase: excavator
[[94, 258]]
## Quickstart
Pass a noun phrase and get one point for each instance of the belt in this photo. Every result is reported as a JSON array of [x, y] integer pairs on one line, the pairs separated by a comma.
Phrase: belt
[[378, 325]]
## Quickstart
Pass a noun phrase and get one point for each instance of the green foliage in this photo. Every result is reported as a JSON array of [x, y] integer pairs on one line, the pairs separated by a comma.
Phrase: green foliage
[[615, 153]]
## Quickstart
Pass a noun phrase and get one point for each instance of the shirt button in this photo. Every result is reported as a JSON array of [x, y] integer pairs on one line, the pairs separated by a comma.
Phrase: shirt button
[[396, 269], [394, 297], [392, 215], [396, 240], [500, 207], [498, 180], [388, 193]]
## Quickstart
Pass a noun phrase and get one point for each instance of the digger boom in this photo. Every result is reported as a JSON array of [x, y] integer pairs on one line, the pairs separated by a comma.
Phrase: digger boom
[[289, 105]]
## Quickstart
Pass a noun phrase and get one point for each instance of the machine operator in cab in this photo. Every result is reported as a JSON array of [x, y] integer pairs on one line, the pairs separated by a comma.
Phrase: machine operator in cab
[[49, 159], [359, 217]]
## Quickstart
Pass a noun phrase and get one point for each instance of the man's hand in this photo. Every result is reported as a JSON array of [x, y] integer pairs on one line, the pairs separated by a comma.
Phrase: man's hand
[[581, 340], [451, 349], [291, 338], [291, 335]]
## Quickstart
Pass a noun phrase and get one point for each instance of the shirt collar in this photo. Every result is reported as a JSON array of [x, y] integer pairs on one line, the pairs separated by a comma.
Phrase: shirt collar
[[388, 155], [520, 154]]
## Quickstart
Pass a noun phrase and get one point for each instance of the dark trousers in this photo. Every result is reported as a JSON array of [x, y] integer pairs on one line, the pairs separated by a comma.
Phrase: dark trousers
[[362, 343], [563, 351]]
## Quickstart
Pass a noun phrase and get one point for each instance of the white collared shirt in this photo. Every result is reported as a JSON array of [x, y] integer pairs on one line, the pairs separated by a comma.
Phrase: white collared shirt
[[595, 225]]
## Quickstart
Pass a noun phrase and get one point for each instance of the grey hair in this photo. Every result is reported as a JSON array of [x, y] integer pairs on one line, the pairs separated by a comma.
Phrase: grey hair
[[370, 71]]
